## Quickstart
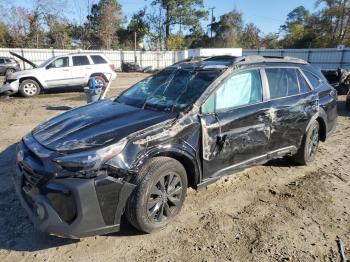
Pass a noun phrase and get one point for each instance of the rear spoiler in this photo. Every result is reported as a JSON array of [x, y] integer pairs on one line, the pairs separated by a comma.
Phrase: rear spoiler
[[23, 59]]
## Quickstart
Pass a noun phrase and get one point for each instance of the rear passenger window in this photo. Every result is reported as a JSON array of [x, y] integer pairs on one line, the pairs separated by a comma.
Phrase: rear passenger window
[[282, 82], [304, 86], [240, 89], [98, 59], [2, 61], [80, 60], [314, 80]]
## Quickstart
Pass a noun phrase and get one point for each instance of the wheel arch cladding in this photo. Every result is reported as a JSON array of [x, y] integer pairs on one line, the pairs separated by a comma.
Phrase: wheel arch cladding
[[30, 78], [186, 162]]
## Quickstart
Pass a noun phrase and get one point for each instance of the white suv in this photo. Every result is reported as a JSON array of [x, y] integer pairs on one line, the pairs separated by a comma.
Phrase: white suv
[[72, 70]]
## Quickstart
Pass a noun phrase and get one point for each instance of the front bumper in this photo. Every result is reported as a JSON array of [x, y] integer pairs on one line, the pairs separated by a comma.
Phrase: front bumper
[[10, 88], [74, 207]]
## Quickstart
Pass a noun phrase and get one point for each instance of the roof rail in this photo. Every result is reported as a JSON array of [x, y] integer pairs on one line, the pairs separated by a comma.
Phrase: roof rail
[[275, 59]]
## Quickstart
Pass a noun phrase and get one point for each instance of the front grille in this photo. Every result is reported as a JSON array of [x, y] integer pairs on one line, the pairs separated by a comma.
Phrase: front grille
[[32, 167], [30, 177]]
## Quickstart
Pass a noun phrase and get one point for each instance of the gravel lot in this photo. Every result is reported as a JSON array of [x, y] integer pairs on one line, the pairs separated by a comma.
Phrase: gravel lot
[[275, 212]]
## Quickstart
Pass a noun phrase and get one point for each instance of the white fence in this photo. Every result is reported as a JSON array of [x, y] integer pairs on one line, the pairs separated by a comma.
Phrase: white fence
[[156, 59], [326, 58]]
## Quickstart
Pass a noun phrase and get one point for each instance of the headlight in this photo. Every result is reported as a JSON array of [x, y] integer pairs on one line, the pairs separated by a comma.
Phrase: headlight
[[90, 160]]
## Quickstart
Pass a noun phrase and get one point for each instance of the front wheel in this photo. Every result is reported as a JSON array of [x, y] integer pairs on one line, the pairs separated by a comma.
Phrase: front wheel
[[29, 88], [159, 195], [308, 149]]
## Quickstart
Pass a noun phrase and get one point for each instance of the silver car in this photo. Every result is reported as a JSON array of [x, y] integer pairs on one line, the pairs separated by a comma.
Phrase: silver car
[[8, 65], [71, 70]]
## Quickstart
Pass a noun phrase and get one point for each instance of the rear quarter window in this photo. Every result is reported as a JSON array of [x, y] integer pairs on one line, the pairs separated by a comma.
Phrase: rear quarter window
[[97, 59], [313, 79]]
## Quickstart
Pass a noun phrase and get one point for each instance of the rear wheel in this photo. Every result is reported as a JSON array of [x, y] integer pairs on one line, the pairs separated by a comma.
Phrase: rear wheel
[[308, 149], [10, 71], [29, 88], [100, 81], [159, 195]]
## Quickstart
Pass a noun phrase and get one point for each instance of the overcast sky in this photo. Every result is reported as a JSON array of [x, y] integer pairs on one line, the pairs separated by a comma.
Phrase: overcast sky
[[267, 14]]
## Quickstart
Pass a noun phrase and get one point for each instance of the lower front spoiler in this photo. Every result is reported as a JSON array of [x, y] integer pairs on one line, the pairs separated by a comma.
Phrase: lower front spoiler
[[93, 216]]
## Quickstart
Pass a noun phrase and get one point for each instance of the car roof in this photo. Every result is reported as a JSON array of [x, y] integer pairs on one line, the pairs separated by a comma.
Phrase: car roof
[[220, 62]]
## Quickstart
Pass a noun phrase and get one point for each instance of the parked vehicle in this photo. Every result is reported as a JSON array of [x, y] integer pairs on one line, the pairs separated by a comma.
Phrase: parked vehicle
[[8, 65], [130, 67], [186, 126], [348, 101], [72, 70], [339, 79]]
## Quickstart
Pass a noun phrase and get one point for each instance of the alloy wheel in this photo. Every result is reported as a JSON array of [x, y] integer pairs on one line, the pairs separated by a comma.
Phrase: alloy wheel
[[99, 83], [165, 197], [10, 71], [313, 144], [30, 89]]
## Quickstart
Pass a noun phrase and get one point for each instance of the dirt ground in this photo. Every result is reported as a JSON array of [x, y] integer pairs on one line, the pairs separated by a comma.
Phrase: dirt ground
[[275, 212]]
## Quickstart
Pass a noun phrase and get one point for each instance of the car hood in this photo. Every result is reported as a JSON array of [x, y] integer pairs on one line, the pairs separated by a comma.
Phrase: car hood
[[24, 59], [96, 125]]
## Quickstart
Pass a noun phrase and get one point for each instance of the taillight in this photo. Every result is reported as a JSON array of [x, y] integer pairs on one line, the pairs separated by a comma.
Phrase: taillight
[[111, 66]]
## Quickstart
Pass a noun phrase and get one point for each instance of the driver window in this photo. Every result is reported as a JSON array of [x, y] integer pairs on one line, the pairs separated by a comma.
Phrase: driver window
[[60, 62], [238, 90]]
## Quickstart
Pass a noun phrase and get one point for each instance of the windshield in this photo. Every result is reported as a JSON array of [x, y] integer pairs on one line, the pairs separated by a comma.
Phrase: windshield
[[170, 90], [46, 62]]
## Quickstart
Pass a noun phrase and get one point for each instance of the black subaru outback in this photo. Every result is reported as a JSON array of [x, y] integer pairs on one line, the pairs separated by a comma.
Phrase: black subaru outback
[[186, 126]]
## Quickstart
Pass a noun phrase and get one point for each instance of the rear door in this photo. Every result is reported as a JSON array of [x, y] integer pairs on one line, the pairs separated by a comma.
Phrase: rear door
[[293, 103], [235, 127], [81, 69], [58, 73]]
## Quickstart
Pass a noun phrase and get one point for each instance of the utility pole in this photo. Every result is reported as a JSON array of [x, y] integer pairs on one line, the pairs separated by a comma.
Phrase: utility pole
[[212, 21], [135, 45]]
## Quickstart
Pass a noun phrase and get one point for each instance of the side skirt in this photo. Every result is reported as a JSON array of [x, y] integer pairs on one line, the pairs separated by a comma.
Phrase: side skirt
[[250, 162]]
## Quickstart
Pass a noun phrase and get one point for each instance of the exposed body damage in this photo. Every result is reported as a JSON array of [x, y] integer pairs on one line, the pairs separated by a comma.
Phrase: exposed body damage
[[76, 172]]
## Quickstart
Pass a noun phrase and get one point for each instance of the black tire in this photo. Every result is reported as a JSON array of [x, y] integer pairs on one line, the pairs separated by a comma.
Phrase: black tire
[[100, 81], [151, 207], [29, 88], [309, 145]]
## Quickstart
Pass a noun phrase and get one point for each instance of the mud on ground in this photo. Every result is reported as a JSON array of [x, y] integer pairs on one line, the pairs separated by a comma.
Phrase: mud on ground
[[275, 212]]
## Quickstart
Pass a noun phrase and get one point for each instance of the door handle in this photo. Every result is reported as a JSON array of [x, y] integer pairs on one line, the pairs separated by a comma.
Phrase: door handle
[[65, 69], [87, 67]]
